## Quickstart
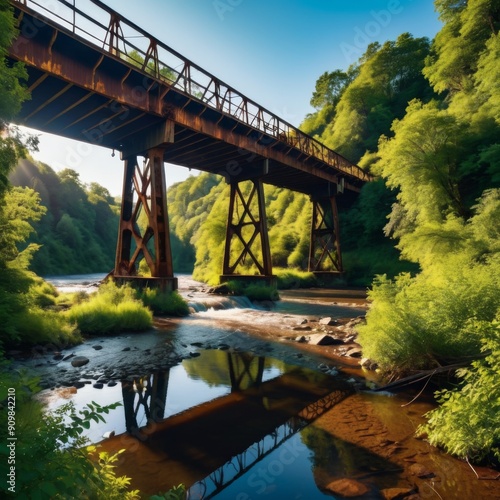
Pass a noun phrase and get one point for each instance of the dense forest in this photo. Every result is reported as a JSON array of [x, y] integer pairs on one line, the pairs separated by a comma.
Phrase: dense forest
[[77, 233], [424, 117]]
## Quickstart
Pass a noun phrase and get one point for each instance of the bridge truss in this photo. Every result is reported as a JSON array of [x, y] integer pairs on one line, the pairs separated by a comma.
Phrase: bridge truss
[[97, 77]]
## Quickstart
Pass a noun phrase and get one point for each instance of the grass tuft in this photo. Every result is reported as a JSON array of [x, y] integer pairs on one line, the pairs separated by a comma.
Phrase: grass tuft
[[164, 303], [111, 310]]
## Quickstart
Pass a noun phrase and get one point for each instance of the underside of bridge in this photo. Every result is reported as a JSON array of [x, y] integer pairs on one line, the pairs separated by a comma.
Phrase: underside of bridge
[[88, 82]]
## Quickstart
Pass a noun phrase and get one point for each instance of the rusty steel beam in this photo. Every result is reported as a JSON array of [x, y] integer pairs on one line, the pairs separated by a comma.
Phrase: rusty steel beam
[[243, 214], [324, 249], [144, 203]]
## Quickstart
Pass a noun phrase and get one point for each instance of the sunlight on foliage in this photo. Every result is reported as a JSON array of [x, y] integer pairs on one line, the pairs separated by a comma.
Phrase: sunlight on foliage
[[467, 423], [111, 310], [52, 453], [164, 303]]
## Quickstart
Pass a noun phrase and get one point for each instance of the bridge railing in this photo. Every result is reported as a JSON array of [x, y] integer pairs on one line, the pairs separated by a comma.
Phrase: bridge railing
[[103, 27]]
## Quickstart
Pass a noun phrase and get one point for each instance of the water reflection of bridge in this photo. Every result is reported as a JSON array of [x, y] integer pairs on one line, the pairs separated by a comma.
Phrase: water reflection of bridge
[[210, 445], [238, 465], [149, 393]]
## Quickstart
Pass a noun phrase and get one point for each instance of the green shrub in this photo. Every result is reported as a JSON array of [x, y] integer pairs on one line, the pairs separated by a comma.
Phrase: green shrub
[[467, 423], [52, 458], [39, 326], [363, 264], [252, 290], [294, 278], [164, 303], [111, 310], [421, 322], [43, 294]]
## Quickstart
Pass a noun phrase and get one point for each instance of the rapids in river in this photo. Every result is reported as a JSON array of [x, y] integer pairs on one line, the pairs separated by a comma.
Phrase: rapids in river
[[228, 403]]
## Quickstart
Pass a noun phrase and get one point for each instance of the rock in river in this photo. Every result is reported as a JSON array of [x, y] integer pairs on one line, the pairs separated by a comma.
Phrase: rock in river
[[79, 361], [323, 339], [347, 488], [328, 321]]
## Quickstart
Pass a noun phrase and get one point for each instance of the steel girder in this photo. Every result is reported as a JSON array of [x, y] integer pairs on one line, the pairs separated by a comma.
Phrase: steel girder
[[144, 227], [324, 250]]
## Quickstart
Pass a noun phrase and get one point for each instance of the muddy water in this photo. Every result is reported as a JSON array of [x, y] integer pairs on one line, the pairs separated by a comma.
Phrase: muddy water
[[225, 403]]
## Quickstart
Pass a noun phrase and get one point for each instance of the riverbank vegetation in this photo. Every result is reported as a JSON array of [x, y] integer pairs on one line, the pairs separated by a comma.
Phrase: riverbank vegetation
[[112, 309], [442, 159], [163, 303]]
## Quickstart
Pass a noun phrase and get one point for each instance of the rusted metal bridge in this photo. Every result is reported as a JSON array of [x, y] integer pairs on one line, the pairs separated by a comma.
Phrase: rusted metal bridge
[[97, 77]]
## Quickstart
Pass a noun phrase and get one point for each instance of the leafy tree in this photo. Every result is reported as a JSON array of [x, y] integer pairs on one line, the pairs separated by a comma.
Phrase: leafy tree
[[12, 90], [389, 77], [330, 86], [78, 232], [443, 163], [454, 58]]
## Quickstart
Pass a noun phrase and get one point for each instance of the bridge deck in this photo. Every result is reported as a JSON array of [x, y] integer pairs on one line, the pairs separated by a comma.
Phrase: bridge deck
[[86, 85]]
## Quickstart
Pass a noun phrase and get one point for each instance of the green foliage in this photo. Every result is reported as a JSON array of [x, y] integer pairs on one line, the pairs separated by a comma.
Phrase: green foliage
[[78, 232], [294, 278], [252, 291], [40, 326], [467, 423], [190, 204], [389, 76], [21, 209], [363, 263], [443, 163], [22, 295], [12, 90], [51, 452], [455, 50], [382, 83], [422, 161], [111, 310], [43, 294], [330, 86], [176, 493], [420, 321], [164, 303]]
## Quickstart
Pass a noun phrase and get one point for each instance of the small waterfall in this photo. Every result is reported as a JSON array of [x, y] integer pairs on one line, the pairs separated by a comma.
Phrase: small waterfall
[[218, 303]]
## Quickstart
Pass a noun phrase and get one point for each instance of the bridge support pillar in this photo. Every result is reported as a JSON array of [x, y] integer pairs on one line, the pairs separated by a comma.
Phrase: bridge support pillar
[[325, 257], [247, 223], [144, 229]]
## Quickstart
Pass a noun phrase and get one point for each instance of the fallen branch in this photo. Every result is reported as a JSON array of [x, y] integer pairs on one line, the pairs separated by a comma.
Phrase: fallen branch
[[484, 478], [423, 374]]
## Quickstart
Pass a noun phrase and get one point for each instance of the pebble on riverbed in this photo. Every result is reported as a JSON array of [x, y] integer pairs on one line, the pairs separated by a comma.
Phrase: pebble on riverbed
[[78, 361], [346, 487]]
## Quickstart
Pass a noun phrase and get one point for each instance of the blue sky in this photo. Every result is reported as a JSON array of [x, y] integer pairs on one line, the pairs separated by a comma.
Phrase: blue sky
[[272, 51]]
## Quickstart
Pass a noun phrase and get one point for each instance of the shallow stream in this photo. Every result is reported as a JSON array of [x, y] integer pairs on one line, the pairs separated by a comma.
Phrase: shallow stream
[[227, 403]]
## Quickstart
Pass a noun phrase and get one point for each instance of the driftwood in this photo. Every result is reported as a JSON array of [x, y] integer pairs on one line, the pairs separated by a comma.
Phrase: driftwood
[[423, 374]]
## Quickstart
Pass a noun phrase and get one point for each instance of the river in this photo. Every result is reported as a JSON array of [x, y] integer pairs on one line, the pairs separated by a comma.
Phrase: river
[[228, 403]]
